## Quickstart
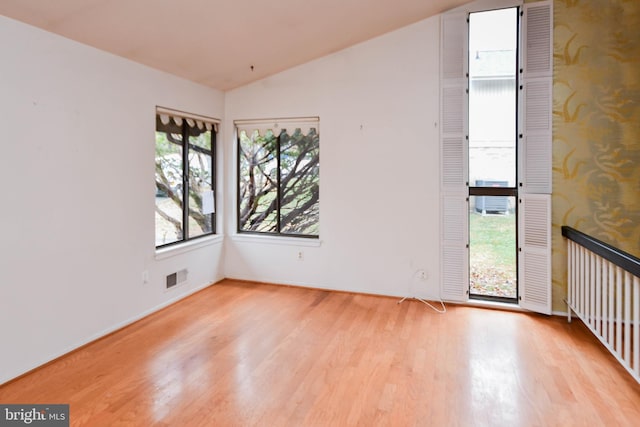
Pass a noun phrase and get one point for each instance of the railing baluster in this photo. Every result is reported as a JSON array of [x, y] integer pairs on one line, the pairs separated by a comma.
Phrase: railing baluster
[[570, 278], [627, 318], [578, 279], [636, 324], [605, 300], [598, 282], [592, 288], [582, 280], [618, 310], [612, 292]]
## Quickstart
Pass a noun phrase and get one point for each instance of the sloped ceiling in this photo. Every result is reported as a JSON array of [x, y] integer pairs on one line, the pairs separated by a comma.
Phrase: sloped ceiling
[[222, 43]]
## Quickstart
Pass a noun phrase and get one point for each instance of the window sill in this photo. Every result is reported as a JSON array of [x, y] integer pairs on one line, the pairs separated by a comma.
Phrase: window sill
[[188, 246], [276, 240]]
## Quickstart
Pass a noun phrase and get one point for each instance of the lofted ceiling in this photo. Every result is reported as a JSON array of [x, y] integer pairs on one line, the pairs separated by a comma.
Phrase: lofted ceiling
[[222, 44]]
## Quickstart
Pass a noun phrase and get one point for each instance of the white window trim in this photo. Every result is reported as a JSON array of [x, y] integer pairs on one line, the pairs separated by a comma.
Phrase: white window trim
[[191, 245], [276, 240], [484, 5], [263, 125], [183, 114]]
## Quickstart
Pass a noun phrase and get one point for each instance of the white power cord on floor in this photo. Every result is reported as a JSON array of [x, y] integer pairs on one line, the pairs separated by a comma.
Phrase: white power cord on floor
[[437, 310]]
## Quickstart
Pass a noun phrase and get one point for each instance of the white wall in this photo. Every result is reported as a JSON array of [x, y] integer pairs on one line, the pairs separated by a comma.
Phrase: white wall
[[77, 216], [78, 194], [379, 173]]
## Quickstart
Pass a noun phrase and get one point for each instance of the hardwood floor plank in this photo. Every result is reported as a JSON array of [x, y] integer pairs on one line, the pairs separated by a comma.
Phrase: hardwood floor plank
[[246, 354]]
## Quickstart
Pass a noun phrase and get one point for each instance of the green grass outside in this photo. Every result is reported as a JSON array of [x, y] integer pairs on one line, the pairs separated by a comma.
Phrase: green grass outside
[[492, 253]]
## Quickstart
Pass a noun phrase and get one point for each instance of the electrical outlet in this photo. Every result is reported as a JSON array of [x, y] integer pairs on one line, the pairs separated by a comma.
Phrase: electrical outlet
[[145, 276], [300, 256], [422, 274]]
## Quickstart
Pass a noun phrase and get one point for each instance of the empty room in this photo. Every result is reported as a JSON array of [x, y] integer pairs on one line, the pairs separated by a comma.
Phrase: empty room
[[305, 213]]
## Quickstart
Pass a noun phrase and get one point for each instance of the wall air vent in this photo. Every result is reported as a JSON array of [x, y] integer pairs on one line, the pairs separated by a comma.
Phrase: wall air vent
[[176, 278]]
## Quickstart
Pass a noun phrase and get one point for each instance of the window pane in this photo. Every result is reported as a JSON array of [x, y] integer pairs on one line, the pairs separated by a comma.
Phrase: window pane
[[300, 176], [168, 188], [492, 98], [200, 138], [200, 182], [258, 185], [492, 246]]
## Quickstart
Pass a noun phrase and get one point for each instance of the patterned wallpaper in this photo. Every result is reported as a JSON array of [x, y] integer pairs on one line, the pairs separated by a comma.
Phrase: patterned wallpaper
[[596, 126]]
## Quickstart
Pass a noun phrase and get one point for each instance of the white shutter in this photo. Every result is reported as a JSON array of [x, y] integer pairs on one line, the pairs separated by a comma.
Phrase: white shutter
[[535, 252], [536, 147], [535, 158], [454, 45], [455, 259], [538, 39], [453, 164], [453, 158], [537, 83]]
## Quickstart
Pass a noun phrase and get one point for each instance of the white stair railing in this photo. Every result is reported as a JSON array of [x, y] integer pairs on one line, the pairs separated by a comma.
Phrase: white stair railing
[[604, 292]]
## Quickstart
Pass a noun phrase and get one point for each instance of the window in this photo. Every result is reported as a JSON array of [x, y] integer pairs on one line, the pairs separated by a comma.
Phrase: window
[[279, 177], [533, 185], [185, 176], [492, 154]]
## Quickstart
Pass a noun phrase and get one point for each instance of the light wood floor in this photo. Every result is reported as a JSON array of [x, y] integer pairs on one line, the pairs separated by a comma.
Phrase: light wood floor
[[243, 354]]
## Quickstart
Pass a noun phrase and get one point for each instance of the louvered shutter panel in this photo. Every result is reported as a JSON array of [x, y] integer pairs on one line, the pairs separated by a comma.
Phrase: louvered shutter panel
[[538, 39], [536, 145], [536, 124], [455, 264], [453, 157], [535, 254], [536, 157]]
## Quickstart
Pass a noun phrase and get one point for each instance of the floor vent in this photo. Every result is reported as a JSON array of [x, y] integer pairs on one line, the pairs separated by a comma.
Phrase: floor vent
[[176, 278]]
